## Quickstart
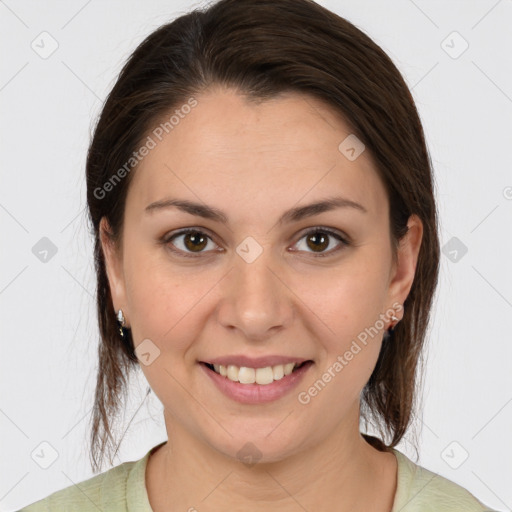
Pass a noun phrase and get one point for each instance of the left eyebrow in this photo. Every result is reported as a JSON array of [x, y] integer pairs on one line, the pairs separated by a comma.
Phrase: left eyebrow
[[302, 212], [293, 215]]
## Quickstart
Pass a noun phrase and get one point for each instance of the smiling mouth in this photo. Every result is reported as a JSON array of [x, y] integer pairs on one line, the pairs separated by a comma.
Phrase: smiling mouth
[[263, 376]]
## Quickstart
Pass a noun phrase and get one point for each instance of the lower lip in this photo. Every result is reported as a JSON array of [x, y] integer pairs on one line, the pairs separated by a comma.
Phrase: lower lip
[[257, 393]]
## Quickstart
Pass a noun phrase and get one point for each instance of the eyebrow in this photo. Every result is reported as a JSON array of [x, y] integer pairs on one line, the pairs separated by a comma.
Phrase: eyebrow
[[293, 215]]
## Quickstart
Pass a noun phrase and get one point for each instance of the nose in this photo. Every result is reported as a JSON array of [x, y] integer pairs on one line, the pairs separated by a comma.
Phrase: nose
[[255, 300]]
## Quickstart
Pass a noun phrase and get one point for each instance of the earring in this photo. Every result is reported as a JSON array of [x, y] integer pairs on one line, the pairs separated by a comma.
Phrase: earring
[[393, 325], [122, 322]]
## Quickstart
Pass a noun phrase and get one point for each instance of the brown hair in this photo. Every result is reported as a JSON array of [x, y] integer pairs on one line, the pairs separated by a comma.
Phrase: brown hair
[[262, 48]]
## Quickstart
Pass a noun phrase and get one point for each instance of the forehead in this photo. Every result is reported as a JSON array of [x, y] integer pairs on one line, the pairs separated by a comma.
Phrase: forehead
[[266, 154]]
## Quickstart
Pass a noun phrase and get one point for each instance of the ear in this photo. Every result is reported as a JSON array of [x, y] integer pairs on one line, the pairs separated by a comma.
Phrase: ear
[[403, 272], [114, 267]]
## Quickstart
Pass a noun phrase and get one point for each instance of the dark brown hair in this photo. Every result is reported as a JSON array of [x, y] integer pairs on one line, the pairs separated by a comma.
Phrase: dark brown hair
[[262, 48]]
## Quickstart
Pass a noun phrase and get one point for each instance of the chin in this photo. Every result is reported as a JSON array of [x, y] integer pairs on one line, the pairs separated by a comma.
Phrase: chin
[[258, 448]]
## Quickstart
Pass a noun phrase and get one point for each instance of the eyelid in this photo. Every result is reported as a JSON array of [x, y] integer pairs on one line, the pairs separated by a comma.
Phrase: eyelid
[[166, 241], [325, 229], [343, 238]]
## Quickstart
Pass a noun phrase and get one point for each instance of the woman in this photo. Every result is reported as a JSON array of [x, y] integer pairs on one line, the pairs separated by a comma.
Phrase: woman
[[267, 252]]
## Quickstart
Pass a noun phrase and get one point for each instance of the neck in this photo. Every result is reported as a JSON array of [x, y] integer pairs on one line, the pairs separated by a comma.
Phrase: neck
[[343, 473]]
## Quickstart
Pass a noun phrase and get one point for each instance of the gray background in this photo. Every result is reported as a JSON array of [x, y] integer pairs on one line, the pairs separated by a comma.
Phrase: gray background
[[48, 326]]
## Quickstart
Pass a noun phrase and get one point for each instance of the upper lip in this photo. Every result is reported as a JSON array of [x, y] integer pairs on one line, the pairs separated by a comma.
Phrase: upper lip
[[255, 362]]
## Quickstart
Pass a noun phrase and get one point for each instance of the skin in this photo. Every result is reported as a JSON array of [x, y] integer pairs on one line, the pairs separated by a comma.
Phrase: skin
[[254, 161]]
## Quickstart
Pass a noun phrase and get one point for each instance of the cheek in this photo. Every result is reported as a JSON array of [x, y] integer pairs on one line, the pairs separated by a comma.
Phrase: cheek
[[160, 297], [169, 304], [346, 299], [345, 307]]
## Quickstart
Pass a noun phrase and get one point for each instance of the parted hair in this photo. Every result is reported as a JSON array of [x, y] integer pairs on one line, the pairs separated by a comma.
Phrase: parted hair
[[262, 48]]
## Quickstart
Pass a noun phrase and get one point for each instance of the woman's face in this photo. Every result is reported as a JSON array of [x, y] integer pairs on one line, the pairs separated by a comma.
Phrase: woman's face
[[264, 282]]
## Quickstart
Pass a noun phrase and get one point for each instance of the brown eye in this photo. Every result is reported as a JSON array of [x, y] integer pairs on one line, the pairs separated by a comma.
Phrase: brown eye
[[192, 241], [195, 240], [319, 239]]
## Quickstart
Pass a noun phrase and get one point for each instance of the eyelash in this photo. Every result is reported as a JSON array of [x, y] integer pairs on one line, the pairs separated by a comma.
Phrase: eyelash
[[319, 229]]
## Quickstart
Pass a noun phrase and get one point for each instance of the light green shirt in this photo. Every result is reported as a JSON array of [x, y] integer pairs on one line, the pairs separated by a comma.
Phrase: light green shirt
[[123, 489]]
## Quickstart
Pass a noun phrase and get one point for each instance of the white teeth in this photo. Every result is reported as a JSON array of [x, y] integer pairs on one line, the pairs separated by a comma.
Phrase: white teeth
[[288, 368], [246, 375], [264, 375], [232, 373], [278, 371]]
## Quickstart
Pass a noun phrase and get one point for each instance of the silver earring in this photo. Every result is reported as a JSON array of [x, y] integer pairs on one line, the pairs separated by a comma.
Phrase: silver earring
[[122, 322], [393, 325]]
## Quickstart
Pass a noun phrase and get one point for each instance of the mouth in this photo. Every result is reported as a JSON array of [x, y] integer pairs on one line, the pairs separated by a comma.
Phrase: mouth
[[262, 376]]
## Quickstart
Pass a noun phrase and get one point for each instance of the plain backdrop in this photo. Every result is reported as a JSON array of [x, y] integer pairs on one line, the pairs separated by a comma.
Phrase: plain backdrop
[[455, 57]]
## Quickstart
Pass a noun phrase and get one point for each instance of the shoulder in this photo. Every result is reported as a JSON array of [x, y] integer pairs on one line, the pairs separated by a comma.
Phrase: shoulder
[[421, 490], [106, 491]]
